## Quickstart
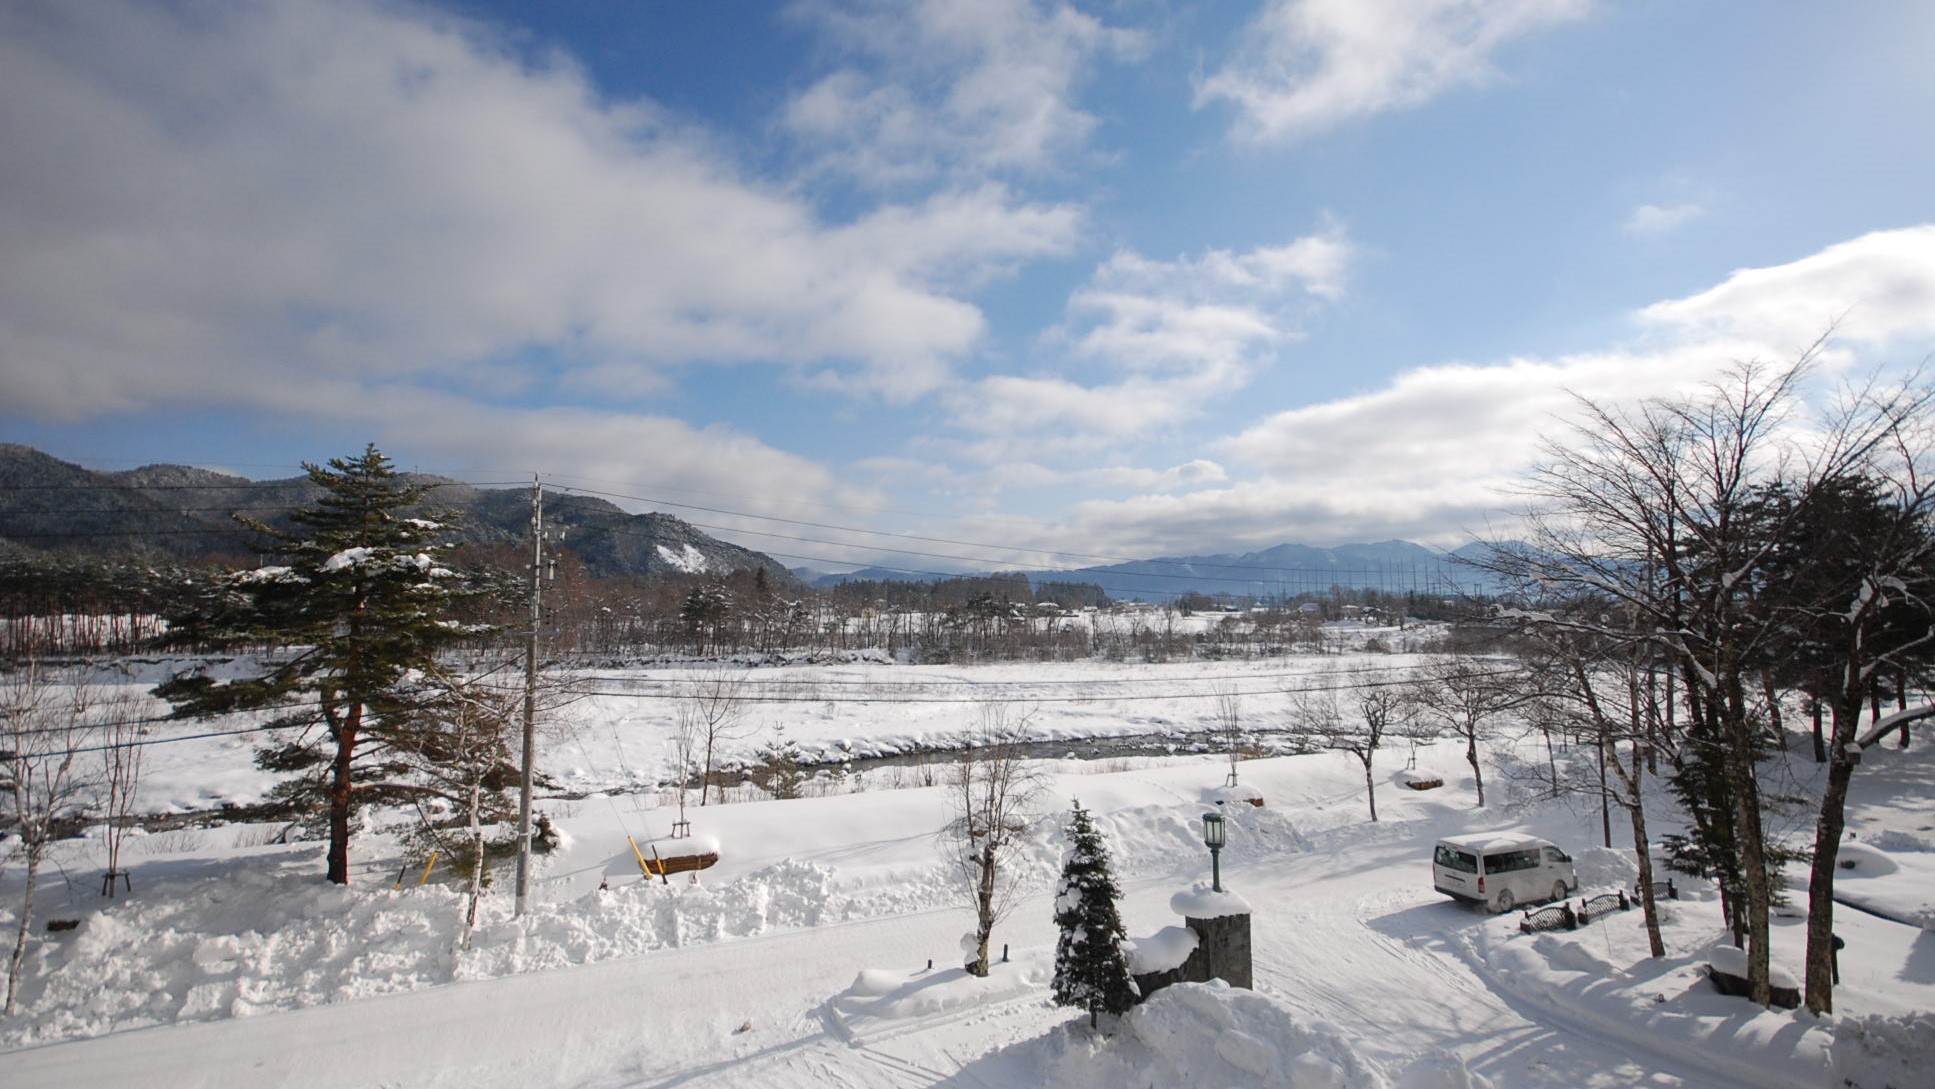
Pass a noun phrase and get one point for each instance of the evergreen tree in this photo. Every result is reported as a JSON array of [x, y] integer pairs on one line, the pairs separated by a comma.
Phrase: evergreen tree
[[354, 613], [1090, 969]]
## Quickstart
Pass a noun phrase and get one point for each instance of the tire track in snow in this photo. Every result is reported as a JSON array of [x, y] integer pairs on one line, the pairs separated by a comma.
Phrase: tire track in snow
[[1385, 967]]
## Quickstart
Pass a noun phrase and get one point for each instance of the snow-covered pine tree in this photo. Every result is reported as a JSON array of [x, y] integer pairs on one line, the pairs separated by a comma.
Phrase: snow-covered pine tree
[[1090, 969], [359, 601]]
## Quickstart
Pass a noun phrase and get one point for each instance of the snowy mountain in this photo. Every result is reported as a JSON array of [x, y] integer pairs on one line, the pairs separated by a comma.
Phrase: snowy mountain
[[181, 511], [1285, 570]]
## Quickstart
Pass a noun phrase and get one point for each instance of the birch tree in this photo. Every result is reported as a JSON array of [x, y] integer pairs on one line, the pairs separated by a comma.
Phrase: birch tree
[[45, 730], [991, 792]]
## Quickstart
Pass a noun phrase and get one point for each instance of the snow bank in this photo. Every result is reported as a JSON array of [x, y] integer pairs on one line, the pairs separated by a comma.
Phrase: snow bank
[[244, 937], [881, 995], [1602, 868], [1727, 960], [1210, 1034]]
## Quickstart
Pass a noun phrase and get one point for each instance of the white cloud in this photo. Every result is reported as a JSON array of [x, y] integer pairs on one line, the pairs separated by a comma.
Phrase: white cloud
[[948, 88], [1176, 333], [221, 204], [627, 453], [1875, 289], [1190, 474], [1436, 454], [1221, 307], [1307, 66], [1649, 220]]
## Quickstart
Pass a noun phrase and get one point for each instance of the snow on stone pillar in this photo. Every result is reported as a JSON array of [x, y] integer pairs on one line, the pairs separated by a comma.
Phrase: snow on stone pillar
[[1216, 944]]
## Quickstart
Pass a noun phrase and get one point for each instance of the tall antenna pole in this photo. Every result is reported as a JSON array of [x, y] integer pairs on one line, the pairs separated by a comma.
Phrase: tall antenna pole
[[530, 700]]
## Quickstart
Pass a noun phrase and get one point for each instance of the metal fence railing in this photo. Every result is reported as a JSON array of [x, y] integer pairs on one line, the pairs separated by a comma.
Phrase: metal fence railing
[[1563, 916]]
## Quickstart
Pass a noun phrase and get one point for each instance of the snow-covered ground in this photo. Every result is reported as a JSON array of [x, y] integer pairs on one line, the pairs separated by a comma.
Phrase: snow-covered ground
[[822, 949]]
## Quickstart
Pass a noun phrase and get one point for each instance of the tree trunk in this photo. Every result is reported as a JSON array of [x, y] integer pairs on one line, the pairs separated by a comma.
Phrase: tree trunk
[[1774, 721], [476, 859], [14, 962], [1643, 854], [341, 786], [1370, 790], [1818, 986], [983, 912], [1752, 843], [1471, 757]]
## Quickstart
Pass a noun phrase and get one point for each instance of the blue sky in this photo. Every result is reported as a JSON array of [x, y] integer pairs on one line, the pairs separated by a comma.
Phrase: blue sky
[[1059, 280]]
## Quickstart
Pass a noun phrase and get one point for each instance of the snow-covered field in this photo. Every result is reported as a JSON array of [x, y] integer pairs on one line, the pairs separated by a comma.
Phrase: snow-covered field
[[822, 949]]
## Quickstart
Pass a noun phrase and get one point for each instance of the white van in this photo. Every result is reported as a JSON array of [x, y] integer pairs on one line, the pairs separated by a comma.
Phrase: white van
[[1500, 870]]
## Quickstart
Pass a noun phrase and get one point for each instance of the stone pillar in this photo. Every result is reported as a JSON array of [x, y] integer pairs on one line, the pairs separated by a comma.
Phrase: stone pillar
[[1224, 952]]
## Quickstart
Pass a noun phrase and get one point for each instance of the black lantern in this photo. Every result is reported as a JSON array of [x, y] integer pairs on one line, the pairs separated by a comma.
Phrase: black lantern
[[1214, 837]]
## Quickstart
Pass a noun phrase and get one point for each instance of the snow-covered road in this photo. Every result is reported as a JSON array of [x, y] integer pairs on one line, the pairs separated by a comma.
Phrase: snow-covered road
[[1383, 962]]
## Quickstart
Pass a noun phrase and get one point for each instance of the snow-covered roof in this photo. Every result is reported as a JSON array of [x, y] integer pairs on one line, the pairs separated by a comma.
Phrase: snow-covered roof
[[1481, 842]]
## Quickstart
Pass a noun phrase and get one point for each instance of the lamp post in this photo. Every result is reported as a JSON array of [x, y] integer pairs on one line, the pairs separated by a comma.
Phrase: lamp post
[[1214, 837]]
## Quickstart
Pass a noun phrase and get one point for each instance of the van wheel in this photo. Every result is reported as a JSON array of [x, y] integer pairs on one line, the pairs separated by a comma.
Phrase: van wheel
[[1503, 902], [1558, 890]]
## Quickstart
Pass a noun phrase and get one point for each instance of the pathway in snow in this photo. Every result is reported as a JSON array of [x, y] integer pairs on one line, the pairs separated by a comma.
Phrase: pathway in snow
[[1379, 960]]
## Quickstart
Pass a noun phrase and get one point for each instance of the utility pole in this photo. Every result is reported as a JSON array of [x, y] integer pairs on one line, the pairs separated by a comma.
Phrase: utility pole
[[530, 700]]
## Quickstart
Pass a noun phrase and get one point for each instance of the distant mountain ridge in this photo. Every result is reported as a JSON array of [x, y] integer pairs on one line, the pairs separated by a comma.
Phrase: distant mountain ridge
[[183, 512], [1281, 571]]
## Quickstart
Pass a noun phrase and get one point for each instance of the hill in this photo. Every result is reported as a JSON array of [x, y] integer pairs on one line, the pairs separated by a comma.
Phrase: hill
[[183, 512], [1282, 571]]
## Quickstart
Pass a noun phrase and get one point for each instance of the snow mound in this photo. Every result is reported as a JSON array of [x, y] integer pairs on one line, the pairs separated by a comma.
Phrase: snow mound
[[236, 940], [1864, 860], [1202, 902], [1213, 1035], [1731, 961], [1884, 1050], [1244, 793], [885, 994], [1607, 868], [1162, 951]]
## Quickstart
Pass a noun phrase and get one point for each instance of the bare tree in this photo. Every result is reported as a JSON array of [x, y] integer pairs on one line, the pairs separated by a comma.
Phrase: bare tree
[[44, 729], [1229, 723], [1467, 696], [121, 747], [1382, 706], [1609, 684], [712, 710], [990, 791], [462, 756], [685, 763]]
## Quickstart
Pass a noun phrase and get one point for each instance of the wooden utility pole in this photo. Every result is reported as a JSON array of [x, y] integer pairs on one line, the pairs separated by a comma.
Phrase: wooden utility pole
[[530, 700]]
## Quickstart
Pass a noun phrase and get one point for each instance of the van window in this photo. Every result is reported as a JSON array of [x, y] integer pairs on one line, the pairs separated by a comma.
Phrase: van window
[[1451, 858], [1509, 861], [1553, 854]]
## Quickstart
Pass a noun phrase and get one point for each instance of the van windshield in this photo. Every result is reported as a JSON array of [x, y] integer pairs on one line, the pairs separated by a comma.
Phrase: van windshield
[[1451, 858]]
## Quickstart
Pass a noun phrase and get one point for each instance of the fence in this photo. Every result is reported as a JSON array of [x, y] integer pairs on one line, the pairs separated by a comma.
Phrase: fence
[[1563, 916]]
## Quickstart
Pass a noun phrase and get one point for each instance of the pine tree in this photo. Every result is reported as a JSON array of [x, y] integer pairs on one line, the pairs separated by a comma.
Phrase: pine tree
[[1090, 969], [359, 604]]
